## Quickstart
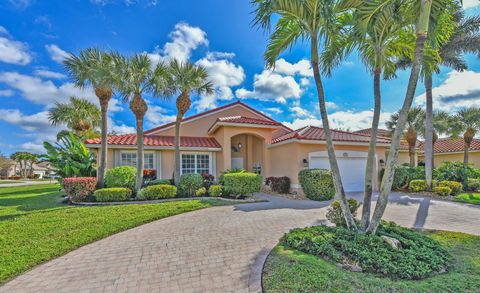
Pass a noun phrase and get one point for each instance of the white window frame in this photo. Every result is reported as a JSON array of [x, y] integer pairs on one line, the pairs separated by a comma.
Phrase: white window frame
[[120, 163], [210, 161]]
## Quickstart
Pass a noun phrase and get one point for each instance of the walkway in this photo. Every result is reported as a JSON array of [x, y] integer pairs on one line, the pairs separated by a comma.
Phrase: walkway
[[219, 249]]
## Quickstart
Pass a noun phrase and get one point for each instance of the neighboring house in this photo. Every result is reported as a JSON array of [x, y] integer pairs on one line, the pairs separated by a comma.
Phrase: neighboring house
[[451, 149], [238, 136], [40, 170]]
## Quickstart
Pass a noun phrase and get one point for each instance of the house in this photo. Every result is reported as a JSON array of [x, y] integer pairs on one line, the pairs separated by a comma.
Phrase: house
[[452, 149], [37, 170], [238, 136]]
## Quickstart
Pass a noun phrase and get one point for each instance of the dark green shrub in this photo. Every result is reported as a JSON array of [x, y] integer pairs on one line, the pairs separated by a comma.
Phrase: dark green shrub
[[189, 184], [124, 176], [279, 184], [215, 191], [243, 183], [419, 257], [220, 178], [202, 191], [455, 171], [473, 185], [113, 194], [442, 190], [317, 184], [161, 191], [335, 213], [160, 181], [456, 187]]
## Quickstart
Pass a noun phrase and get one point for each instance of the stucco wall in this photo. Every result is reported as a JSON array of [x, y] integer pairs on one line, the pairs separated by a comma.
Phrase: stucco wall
[[474, 158]]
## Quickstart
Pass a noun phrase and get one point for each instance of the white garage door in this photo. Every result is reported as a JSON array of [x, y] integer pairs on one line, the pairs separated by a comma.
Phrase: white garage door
[[352, 170]]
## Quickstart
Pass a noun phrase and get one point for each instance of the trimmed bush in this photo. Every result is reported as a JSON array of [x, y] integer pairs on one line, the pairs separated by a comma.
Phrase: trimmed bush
[[240, 184], [161, 191], [442, 190], [220, 178], [79, 188], [202, 191], [335, 213], [113, 194], [417, 185], [189, 184], [124, 176], [159, 181], [215, 190], [473, 185], [317, 184], [456, 187], [279, 184]]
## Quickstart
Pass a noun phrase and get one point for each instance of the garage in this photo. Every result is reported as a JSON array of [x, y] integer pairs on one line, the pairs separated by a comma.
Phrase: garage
[[352, 166]]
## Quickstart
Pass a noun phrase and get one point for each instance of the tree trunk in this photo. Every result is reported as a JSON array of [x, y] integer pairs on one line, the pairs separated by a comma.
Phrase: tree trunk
[[387, 180], [176, 174], [467, 140], [367, 198], [139, 108], [104, 96], [340, 193], [429, 132]]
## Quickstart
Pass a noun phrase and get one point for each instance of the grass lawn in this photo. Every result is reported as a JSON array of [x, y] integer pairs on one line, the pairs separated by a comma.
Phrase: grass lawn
[[293, 271], [469, 197], [35, 226], [10, 182]]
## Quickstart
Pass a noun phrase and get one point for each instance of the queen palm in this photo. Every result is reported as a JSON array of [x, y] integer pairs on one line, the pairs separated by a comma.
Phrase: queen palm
[[185, 78], [95, 68], [467, 122], [138, 78], [79, 115]]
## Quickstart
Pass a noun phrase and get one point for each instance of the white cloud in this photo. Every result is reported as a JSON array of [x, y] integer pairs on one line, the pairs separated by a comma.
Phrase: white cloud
[[6, 93], [470, 3], [301, 68], [49, 74], [21, 4], [304, 82], [220, 55], [35, 122], [157, 116], [460, 89], [57, 54], [274, 110], [298, 111], [11, 51]]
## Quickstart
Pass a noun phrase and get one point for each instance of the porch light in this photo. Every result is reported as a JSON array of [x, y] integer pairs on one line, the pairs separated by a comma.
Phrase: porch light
[[305, 163], [240, 145]]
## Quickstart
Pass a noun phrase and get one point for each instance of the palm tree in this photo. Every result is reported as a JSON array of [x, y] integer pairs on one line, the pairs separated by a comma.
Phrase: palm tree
[[441, 125], [78, 114], [95, 68], [186, 78], [467, 121], [138, 78], [415, 125], [312, 21]]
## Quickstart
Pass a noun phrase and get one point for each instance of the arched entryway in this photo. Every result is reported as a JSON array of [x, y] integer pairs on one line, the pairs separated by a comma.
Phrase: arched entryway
[[247, 152]]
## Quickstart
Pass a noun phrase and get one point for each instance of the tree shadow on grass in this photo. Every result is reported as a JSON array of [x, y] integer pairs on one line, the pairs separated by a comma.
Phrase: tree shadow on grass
[[36, 202], [32, 191]]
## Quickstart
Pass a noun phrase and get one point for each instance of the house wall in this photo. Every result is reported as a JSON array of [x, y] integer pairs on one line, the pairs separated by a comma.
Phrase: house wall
[[474, 158]]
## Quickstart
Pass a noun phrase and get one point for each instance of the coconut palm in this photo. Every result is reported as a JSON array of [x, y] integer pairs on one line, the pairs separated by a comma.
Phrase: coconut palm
[[95, 68], [185, 78], [138, 78], [315, 22], [79, 115], [467, 122]]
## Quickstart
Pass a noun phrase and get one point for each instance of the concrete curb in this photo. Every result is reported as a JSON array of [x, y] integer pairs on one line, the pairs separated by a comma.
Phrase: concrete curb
[[255, 283], [253, 200]]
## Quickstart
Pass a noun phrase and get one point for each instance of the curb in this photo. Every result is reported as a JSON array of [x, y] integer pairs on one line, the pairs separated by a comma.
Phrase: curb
[[254, 200], [255, 279]]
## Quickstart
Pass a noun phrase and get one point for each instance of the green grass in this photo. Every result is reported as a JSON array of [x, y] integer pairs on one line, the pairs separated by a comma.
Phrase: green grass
[[469, 197], [293, 271], [10, 182], [35, 226]]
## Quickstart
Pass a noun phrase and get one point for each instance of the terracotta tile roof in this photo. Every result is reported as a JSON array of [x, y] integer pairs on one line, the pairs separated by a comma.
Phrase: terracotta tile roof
[[452, 145], [368, 131], [159, 141], [316, 133], [247, 120]]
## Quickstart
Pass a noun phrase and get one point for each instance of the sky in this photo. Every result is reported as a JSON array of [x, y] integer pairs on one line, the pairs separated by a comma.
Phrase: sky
[[36, 35]]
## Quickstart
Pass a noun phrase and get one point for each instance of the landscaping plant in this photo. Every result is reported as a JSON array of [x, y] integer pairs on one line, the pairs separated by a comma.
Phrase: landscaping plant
[[123, 176], [335, 214], [317, 184], [78, 189], [161, 191], [456, 187], [113, 194], [202, 191], [442, 190], [215, 190], [241, 184], [279, 184], [189, 184]]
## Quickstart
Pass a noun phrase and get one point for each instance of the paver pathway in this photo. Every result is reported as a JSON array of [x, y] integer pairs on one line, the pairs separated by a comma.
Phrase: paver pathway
[[220, 249]]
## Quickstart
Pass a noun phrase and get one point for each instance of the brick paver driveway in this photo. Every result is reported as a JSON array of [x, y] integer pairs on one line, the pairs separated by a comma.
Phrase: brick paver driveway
[[219, 249]]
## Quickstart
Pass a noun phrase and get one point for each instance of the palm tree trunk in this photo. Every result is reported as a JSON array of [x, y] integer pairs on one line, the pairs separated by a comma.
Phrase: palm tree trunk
[[139, 108], [340, 193], [104, 96], [176, 174], [367, 198], [411, 153], [467, 141], [387, 180], [429, 132], [434, 141]]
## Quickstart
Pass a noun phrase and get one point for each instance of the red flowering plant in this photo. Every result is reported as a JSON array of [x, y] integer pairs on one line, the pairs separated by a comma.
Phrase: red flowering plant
[[79, 188], [150, 174], [208, 180]]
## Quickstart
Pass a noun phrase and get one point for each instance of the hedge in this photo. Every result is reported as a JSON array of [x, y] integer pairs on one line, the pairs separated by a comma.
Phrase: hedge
[[442, 190], [113, 194], [215, 190], [124, 176], [240, 184], [456, 187], [317, 184], [161, 191], [79, 188], [189, 184]]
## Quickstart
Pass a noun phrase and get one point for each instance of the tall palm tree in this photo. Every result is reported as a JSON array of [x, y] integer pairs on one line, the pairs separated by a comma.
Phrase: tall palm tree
[[95, 68], [441, 125], [467, 121], [315, 22], [79, 115], [415, 126], [185, 78], [138, 78]]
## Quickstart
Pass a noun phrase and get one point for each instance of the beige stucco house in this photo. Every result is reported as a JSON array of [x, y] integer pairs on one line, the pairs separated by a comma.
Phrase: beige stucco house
[[452, 149], [238, 136]]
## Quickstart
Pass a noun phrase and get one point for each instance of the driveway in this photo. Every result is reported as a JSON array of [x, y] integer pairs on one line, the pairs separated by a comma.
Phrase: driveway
[[220, 249]]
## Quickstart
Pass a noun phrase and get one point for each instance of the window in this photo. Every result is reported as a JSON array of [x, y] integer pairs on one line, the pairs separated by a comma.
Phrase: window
[[195, 163], [130, 159]]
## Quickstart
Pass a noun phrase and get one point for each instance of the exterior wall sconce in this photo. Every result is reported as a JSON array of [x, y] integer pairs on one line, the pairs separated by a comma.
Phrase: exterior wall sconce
[[305, 163], [240, 145]]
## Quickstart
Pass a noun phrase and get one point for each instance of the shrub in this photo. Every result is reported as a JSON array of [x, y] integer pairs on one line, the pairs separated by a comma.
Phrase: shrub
[[442, 190], [404, 174], [220, 178], [215, 190], [455, 171], [420, 256], [189, 184], [473, 184], [207, 180], [159, 181], [240, 184], [417, 185], [161, 191], [202, 191], [124, 176], [456, 187], [279, 184], [317, 184], [335, 213], [113, 194], [79, 188]]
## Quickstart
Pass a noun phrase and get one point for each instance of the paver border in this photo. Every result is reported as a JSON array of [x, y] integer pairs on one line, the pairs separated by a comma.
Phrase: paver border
[[251, 200]]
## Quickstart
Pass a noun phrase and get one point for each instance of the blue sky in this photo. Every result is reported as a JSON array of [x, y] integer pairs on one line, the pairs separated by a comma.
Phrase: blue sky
[[36, 35]]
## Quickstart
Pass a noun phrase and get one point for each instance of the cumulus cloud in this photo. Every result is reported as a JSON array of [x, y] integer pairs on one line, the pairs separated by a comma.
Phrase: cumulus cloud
[[6, 93], [470, 3], [274, 110], [157, 115], [49, 74], [12, 51], [301, 68], [57, 54], [33, 122], [460, 89]]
